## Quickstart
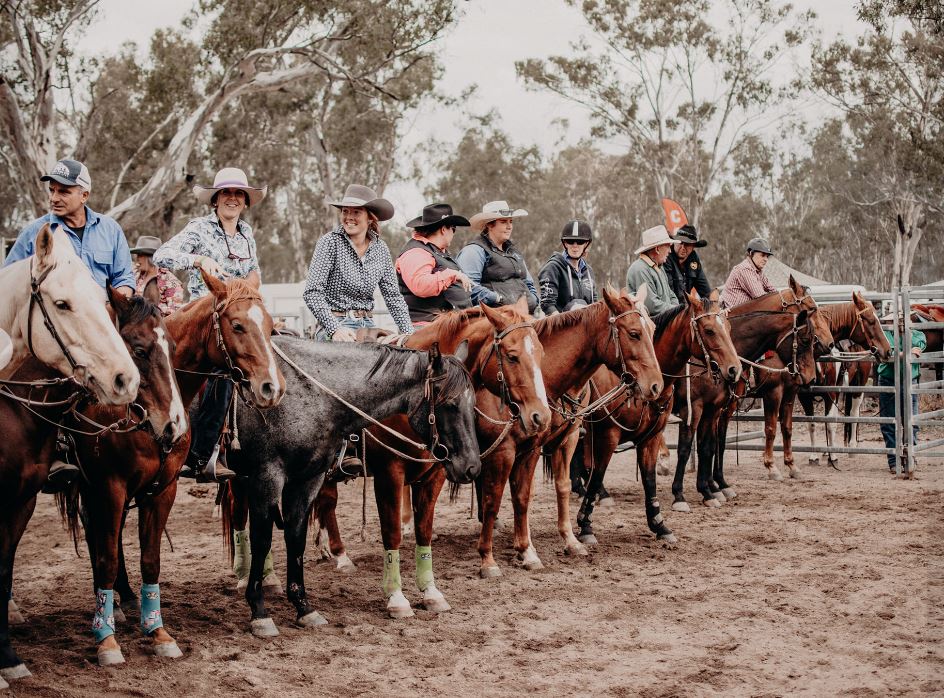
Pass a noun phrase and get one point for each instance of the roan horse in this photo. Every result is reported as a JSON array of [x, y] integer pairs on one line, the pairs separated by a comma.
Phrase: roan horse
[[614, 332], [291, 451], [504, 359], [38, 408], [226, 331], [785, 322], [695, 330]]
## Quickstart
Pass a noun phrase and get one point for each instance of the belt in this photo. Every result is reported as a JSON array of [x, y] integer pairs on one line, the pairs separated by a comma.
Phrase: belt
[[353, 313]]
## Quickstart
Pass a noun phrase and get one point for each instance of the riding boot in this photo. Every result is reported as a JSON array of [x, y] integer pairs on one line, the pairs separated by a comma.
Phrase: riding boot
[[351, 463], [213, 470], [61, 475]]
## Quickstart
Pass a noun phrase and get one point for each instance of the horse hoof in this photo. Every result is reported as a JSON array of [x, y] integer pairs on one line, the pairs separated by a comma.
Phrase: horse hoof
[[12, 673], [663, 470], [345, 565], [668, 538], [712, 503], [398, 606], [490, 572], [110, 657], [3, 684], [272, 583], [796, 475], [774, 475], [536, 564], [576, 548], [14, 615], [606, 502], [242, 584], [167, 650], [263, 627], [682, 507], [434, 601], [719, 496], [312, 620], [588, 539], [530, 561], [814, 460], [833, 461], [729, 493]]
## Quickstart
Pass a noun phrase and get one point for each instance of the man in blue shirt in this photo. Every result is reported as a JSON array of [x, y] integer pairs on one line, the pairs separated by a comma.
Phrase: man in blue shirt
[[97, 239]]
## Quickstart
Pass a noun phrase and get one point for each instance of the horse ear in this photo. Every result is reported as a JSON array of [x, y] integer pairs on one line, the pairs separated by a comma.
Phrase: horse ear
[[858, 299], [521, 305], [462, 351], [121, 304], [642, 293], [491, 315], [435, 357], [694, 298], [802, 318], [715, 295], [44, 245], [796, 287], [217, 287]]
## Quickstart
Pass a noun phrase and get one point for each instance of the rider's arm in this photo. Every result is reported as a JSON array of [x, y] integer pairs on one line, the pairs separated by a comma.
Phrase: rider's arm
[[322, 260], [548, 277], [472, 260], [390, 290], [416, 268]]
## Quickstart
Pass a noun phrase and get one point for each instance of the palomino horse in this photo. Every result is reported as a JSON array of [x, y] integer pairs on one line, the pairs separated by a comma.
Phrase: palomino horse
[[614, 332], [504, 360], [291, 451], [226, 331], [694, 330], [30, 430], [857, 322], [780, 322]]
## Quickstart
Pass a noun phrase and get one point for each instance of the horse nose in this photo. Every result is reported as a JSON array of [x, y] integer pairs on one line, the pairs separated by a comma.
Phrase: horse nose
[[655, 390], [121, 383], [734, 372], [267, 390], [537, 420]]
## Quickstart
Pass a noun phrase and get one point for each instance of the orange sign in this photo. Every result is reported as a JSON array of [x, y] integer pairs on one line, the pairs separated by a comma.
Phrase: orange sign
[[674, 216]]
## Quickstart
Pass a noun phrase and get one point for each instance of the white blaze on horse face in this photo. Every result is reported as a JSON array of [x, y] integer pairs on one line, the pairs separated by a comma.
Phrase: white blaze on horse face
[[255, 314], [538, 376], [178, 415]]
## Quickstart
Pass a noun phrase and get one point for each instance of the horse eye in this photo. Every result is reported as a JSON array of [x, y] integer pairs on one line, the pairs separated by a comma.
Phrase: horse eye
[[63, 305], [237, 327], [710, 332], [635, 334], [140, 352], [512, 359]]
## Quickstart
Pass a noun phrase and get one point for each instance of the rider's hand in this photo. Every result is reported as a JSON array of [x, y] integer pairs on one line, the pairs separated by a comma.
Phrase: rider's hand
[[390, 339], [210, 267], [464, 280], [344, 334]]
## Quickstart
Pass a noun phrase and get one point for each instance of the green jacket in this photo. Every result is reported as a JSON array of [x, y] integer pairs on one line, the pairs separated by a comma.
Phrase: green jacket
[[917, 340], [660, 296]]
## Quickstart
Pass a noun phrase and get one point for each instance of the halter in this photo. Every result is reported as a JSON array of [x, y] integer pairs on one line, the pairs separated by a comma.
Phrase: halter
[[496, 349], [858, 321], [235, 374], [36, 298], [710, 364], [627, 379]]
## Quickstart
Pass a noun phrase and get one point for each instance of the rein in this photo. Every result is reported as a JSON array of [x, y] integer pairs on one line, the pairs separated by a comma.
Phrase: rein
[[235, 374]]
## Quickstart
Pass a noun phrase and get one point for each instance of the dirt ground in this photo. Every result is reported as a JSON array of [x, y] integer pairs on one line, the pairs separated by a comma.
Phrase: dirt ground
[[830, 585]]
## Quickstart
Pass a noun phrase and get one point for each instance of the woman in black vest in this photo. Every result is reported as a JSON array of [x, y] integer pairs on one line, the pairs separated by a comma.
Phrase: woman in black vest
[[430, 279], [497, 269], [567, 279]]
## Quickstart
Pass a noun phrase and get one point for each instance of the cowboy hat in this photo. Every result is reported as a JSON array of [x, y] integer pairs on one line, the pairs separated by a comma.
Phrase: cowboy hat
[[654, 237], [689, 235], [147, 244], [359, 196], [229, 178], [492, 211], [436, 216]]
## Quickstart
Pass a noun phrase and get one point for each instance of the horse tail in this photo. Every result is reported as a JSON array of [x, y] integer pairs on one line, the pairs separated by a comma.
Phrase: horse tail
[[454, 489], [67, 502], [225, 499], [548, 462]]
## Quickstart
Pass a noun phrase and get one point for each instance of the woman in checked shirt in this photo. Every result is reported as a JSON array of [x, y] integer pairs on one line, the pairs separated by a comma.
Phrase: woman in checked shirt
[[349, 263]]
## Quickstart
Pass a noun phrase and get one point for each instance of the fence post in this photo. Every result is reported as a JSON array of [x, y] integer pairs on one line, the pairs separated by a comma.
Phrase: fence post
[[907, 416], [896, 358]]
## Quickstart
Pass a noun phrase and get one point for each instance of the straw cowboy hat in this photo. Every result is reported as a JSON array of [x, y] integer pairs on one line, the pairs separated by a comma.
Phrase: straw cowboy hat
[[147, 244], [359, 196], [653, 238], [230, 178], [492, 211], [436, 216]]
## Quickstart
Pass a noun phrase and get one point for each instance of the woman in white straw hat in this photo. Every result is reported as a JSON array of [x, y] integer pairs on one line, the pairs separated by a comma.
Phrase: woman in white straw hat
[[349, 264], [220, 243], [654, 250], [497, 269]]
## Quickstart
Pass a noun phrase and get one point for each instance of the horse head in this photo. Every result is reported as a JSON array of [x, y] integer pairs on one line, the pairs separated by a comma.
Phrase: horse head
[[711, 329], [243, 343], [867, 331], [152, 349], [804, 301], [633, 355], [795, 349]]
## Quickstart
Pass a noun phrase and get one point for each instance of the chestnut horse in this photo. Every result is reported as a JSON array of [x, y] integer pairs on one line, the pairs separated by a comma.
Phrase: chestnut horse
[[615, 332], [695, 330], [30, 430], [228, 331]]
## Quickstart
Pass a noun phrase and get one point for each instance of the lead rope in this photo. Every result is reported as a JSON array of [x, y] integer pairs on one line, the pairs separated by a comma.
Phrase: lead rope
[[364, 487]]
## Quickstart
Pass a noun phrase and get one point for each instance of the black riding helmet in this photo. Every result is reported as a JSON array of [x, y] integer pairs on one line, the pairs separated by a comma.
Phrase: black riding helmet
[[576, 231], [759, 245]]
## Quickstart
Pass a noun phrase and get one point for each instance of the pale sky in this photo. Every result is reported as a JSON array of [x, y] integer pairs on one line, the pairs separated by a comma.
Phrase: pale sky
[[481, 49]]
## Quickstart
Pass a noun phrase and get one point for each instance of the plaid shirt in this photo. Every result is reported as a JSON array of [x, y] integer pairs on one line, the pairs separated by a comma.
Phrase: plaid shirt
[[745, 283]]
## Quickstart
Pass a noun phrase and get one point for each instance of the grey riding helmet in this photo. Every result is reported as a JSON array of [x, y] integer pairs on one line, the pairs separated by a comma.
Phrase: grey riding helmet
[[576, 231], [759, 245]]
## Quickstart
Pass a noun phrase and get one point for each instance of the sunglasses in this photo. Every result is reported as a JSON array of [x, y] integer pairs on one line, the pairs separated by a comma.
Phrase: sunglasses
[[233, 255]]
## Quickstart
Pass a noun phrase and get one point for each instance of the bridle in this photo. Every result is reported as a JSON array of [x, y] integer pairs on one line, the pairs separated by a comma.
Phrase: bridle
[[858, 322], [438, 450], [627, 379], [36, 299], [798, 301], [495, 349]]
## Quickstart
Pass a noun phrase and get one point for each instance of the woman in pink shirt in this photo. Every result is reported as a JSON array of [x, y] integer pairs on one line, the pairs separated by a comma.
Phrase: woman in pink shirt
[[430, 279]]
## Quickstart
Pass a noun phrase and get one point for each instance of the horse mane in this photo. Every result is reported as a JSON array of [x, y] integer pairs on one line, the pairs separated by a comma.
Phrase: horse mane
[[665, 318], [454, 321], [140, 309], [562, 321], [401, 362], [240, 290]]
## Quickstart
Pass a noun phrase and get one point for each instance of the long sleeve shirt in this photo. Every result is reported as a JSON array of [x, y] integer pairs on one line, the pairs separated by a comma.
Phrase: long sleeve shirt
[[745, 283], [473, 259], [416, 268], [339, 280], [660, 296], [918, 340]]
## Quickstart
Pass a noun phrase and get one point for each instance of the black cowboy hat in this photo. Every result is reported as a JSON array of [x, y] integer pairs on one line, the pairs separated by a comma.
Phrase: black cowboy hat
[[689, 235], [436, 216]]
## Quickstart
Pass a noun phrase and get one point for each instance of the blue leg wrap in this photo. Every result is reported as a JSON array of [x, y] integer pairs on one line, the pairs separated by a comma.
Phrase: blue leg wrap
[[151, 608], [103, 622]]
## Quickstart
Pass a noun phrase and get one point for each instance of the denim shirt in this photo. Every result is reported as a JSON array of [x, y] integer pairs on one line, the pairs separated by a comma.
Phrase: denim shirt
[[103, 247]]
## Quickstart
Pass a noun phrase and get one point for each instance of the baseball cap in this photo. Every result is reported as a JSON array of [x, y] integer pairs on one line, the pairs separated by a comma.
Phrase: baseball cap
[[72, 173]]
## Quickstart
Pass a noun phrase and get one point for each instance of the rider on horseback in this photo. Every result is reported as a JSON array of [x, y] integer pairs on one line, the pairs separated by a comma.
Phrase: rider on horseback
[[648, 269], [684, 268], [746, 280], [566, 279]]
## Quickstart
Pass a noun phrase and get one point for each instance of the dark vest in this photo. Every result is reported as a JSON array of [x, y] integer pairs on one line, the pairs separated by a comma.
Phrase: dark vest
[[452, 298], [505, 271]]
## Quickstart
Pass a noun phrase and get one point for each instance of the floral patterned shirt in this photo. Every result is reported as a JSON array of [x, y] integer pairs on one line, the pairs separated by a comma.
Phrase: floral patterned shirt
[[170, 291], [205, 237]]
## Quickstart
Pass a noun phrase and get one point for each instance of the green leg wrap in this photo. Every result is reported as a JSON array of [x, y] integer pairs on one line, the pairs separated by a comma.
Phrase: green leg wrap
[[242, 558], [391, 580], [267, 565], [424, 567]]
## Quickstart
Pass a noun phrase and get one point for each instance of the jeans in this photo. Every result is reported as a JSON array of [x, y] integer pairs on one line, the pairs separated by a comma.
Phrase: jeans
[[353, 323], [207, 423], [886, 408]]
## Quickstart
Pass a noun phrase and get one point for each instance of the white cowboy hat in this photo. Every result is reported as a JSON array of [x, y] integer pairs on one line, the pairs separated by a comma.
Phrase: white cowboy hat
[[6, 349], [653, 238], [492, 211], [359, 196], [230, 178]]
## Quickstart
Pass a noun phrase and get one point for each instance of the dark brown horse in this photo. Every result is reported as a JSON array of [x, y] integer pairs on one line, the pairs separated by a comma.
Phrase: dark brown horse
[[613, 332], [226, 331], [30, 437], [930, 312], [695, 330]]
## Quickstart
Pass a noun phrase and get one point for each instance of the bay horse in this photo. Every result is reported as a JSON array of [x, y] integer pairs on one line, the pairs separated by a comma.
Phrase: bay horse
[[291, 451], [758, 326], [614, 332], [696, 329], [30, 429], [504, 359], [930, 312], [226, 332]]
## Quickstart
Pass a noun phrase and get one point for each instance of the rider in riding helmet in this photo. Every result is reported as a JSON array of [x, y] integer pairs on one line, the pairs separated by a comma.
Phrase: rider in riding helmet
[[221, 244], [98, 241], [746, 280], [566, 279], [684, 267]]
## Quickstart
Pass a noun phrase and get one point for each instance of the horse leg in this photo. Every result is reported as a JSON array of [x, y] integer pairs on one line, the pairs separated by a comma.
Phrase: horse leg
[[297, 501], [425, 494], [560, 467], [854, 411], [707, 443], [771, 412], [721, 442], [388, 491], [15, 517], [152, 519], [129, 600], [105, 509], [786, 432], [522, 477], [809, 409], [489, 488], [406, 511], [261, 508], [330, 544], [605, 438], [686, 435]]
